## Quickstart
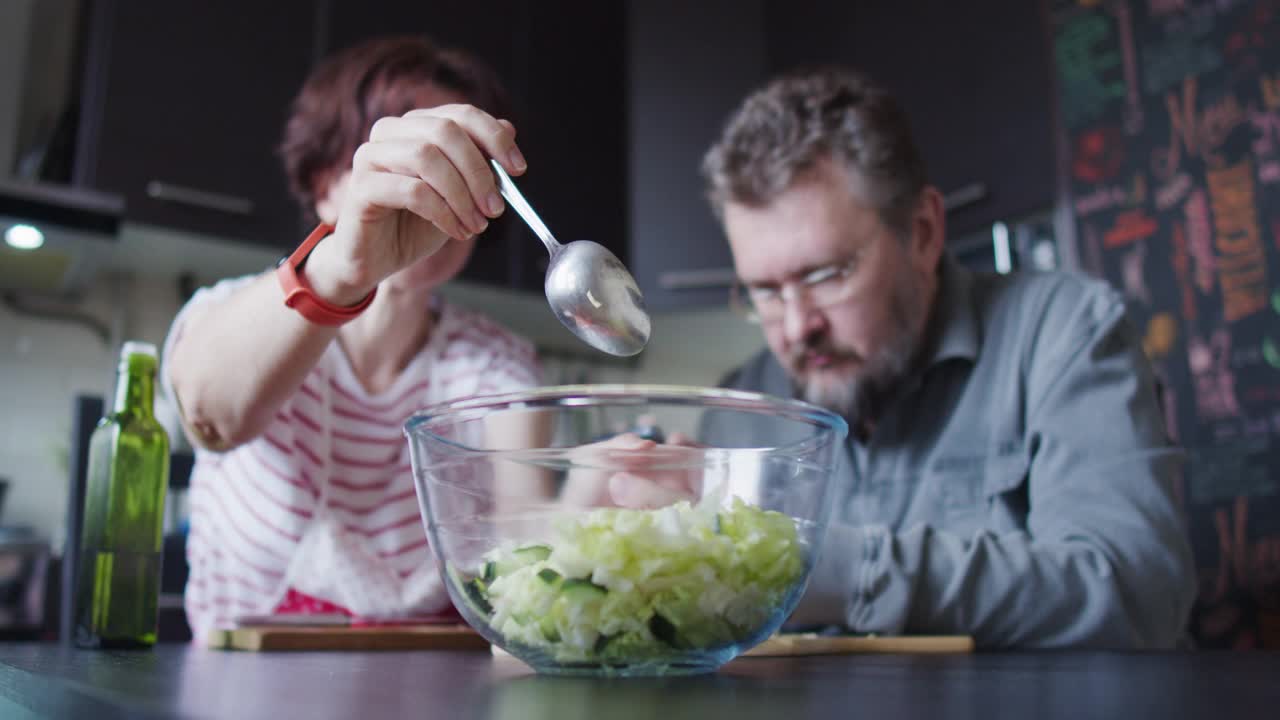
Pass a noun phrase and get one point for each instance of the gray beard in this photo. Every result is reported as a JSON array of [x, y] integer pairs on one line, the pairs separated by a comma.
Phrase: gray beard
[[862, 398]]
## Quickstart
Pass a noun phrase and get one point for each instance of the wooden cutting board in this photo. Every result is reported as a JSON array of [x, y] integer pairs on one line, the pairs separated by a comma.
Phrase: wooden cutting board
[[809, 644], [378, 637], [797, 644], [461, 637]]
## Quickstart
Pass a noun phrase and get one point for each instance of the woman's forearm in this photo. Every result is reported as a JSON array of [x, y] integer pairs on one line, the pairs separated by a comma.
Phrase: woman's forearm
[[238, 359]]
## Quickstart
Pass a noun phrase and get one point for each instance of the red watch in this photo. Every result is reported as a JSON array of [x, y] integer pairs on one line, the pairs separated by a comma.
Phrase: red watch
[[302, 298]]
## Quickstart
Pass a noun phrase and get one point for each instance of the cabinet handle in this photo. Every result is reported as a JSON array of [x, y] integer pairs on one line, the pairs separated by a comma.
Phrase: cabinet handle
[[964, 196], [199, 198], [696, 279]]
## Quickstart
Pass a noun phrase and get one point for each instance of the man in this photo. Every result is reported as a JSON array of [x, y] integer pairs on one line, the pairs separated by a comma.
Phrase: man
[[1007, 475]]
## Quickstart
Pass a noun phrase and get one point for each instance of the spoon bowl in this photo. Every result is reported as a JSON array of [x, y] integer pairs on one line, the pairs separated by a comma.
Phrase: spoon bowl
[[594, 296], [587, 287]]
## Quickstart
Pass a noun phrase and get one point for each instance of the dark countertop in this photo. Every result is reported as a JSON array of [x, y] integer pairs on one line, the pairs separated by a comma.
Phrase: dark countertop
[[183, 681]]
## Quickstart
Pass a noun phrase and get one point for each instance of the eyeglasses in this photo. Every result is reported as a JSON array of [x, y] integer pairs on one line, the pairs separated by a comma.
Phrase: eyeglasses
[[822, 287]]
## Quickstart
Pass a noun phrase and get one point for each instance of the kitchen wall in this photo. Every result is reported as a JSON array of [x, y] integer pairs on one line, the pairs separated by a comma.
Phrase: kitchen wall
[[44, 364]]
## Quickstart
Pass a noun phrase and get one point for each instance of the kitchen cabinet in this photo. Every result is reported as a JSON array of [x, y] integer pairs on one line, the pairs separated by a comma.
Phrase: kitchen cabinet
[[691, 64], [183, 107], [615, 105], [974, 79], [186, 104]]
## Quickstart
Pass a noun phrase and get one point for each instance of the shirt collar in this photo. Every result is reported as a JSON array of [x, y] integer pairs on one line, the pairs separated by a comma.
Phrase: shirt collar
[[955, 326]]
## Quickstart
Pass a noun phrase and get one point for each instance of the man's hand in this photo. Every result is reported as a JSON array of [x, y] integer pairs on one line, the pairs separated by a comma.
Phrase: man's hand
[[642, 474]]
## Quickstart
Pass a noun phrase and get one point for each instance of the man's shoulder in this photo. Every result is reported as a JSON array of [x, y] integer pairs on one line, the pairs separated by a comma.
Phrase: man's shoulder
[[1028, 301], [756, 374]]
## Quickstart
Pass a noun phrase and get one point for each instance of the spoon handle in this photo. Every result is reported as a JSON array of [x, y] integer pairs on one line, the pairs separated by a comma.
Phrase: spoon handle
[[522, 207]]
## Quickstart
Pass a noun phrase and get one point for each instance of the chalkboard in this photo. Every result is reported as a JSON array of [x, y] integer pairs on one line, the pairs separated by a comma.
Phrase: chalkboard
[[1171, 113]]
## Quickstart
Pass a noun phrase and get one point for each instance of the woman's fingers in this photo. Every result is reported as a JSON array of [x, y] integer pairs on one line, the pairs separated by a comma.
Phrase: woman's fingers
[[497, 138], [403, 192], [428, 162], [464, 135]]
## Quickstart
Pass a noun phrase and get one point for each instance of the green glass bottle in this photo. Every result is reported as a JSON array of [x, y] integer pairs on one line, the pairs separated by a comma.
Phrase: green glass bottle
[[118, 587]]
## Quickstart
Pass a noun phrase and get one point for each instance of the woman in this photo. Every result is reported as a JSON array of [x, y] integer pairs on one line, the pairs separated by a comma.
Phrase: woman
[[302, 497]]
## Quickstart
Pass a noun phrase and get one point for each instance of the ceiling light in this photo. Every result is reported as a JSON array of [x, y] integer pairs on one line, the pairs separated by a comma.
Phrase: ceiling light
[[24, 237]]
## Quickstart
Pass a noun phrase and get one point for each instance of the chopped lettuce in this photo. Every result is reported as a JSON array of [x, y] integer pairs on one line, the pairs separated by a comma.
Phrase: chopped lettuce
[[622, 585]]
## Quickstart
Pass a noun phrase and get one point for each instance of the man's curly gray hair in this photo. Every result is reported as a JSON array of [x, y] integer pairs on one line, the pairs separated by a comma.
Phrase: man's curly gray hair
[[789, 125]]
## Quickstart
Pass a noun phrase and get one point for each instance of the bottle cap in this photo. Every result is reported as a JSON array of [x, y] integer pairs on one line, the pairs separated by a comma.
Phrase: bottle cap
[[137, 347]]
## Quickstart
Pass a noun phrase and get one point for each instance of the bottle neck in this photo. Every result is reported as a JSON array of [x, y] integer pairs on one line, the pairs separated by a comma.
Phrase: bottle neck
[[135, 391]]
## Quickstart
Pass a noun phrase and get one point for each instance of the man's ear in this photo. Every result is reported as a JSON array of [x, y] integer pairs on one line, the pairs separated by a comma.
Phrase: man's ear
[[928, 230]]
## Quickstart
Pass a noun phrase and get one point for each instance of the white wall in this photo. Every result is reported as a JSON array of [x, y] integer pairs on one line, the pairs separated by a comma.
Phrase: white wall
[[43, 365]]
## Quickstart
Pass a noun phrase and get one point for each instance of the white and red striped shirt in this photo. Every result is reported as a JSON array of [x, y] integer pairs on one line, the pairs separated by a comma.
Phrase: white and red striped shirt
[[323, 500]]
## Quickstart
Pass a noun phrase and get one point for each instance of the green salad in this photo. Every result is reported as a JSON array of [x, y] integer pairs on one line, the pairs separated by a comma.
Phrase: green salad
[[624, 584]]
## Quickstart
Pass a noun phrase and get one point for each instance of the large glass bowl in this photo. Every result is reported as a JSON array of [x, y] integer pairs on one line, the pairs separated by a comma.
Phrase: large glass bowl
[[625, 529]]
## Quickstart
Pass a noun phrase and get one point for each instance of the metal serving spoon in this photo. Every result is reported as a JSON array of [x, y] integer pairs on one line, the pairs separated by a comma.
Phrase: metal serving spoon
[[587, 287]]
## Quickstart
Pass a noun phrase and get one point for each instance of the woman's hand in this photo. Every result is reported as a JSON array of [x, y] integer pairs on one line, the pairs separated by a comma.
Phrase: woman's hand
[[420, 180]]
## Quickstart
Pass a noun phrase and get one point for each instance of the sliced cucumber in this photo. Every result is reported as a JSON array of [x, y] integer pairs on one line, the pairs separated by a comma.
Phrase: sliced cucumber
[[490, 572], [663, 630], [477, 593], [474, 591], [518, 558], [582, 589], [549, 576], [548, 628], [602, 642], [532, 554]]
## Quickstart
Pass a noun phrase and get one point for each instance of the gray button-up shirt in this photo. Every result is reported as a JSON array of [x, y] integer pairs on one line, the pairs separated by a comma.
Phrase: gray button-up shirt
[[1020, 489]]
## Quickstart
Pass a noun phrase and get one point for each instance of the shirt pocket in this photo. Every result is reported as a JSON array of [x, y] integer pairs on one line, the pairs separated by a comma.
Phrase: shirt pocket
[[984, 494]]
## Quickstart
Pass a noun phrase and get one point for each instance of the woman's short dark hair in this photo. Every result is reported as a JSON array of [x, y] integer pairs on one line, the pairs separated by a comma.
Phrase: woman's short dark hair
[[798, 119], [350, 90]]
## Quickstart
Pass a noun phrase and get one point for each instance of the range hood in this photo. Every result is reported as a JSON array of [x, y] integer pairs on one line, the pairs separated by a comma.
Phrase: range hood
[[80, 227]]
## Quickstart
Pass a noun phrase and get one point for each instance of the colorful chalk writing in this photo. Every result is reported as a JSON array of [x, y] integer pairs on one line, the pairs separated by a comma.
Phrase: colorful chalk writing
[[1134, 274], [1162, 331], [1133, 114], [1241, 259], [1198, 133], [1110, 197], [1181, 268], [1247, 574], [1200, 240], [1173, 192], [1166, 65], [1130, 227], [1085, 68], [1198, 256], [1098, 155], [1270, 344], [1211, 372], [1269, 85]]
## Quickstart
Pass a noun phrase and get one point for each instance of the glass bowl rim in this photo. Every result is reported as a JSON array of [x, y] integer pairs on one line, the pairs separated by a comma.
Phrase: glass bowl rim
[[587, 395]]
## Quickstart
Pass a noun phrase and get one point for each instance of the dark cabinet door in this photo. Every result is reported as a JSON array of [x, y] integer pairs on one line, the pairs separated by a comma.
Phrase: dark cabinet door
[[571, 81], [185, 104], [973, 77], [692, 63], [562, 63]]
